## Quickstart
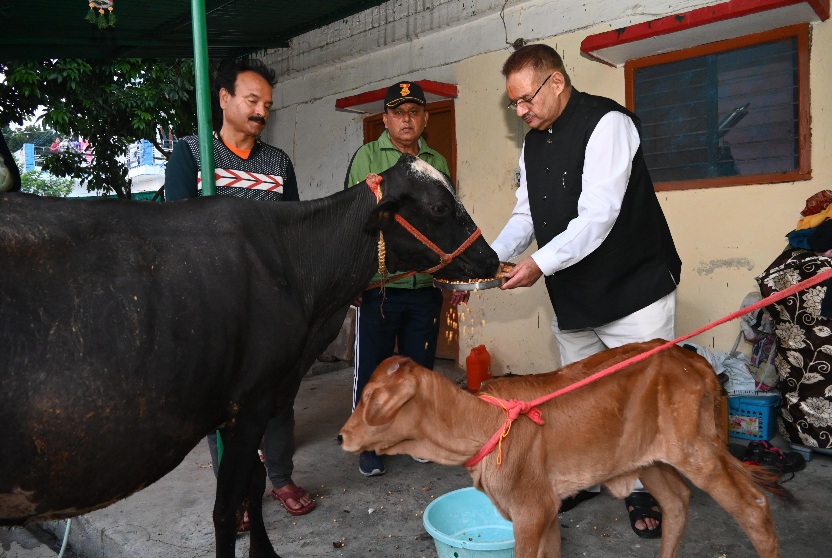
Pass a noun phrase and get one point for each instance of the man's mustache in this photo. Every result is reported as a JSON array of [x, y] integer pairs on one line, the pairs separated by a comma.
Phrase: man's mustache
[[258, 119]]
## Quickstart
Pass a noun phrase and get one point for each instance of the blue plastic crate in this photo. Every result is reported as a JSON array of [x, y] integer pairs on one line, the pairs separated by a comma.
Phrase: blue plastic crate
[[753, 417]]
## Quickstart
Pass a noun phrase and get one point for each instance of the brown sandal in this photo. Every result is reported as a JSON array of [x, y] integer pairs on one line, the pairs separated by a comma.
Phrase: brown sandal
[[286, 495], [243, 523]]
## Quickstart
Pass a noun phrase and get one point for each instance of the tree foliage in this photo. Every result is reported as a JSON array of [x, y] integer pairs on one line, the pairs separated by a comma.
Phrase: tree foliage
[[32, 133], [111, 104], [44, 184]]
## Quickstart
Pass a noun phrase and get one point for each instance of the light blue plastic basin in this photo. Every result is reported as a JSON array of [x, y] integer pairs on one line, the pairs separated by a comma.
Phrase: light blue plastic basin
[[465, 524]]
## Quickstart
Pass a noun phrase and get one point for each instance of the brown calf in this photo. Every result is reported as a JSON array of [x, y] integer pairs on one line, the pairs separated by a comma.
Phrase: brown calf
[[652, 420]]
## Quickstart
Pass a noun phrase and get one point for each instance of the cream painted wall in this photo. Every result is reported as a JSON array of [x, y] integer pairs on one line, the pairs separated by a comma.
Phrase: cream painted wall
[[725, 236]]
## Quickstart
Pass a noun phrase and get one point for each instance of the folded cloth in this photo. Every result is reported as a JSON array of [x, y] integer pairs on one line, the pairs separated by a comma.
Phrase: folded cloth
[[813, 221], [817, 203], [821, 239], [800, 238]]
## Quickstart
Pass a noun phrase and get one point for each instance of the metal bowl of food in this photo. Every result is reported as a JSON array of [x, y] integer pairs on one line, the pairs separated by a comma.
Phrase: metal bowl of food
[[476, 284]]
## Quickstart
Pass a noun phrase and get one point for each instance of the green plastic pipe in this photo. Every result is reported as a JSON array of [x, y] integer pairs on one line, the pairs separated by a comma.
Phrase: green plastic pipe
[[220, 447], [203, 117], [203, 97]]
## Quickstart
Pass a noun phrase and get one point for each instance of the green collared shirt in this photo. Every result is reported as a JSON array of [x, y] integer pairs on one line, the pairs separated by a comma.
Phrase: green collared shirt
[[378, 156]]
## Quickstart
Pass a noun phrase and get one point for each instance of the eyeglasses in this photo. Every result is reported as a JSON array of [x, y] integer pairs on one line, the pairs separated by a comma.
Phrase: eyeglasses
[[514, 104]]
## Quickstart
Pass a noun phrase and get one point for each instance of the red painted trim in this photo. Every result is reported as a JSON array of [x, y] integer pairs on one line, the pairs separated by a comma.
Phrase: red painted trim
[[694, 18], [821, 8], [445, 90], [360, 99]]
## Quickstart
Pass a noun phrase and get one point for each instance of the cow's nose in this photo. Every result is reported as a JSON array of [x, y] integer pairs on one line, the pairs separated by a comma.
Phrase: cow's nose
[[340, 439]]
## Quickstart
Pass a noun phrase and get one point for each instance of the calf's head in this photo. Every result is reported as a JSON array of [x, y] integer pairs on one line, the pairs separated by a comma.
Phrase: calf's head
[[371, 425], [398, 414], [424, 197]]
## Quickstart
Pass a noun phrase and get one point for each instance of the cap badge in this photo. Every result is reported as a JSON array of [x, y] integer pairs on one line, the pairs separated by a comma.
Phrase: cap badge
[[405, 89]]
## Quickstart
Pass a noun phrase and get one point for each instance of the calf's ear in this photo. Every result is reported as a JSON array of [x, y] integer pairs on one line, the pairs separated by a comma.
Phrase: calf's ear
[[386, 400], [383, 215]]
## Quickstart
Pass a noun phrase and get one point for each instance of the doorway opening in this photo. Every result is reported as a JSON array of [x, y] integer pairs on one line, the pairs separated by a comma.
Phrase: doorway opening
[[440, 134]]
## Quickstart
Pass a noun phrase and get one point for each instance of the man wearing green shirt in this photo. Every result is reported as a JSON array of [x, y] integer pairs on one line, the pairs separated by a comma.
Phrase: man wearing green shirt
[[412, 306]]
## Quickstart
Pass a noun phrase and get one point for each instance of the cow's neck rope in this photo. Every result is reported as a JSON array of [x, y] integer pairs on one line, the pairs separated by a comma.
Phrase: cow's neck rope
[[374, 184], [514, 408]]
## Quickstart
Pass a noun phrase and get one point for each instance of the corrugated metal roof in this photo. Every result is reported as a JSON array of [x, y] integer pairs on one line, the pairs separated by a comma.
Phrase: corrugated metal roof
[[160, 28]]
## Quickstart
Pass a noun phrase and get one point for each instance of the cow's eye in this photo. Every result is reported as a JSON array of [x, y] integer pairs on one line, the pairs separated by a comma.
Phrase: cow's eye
[[440, 209]]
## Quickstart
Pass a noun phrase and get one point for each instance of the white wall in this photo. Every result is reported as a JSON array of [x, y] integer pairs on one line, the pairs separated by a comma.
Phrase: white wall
[[725, 236]]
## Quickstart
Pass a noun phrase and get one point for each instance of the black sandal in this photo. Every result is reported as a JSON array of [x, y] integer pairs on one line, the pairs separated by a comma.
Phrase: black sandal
[[642, 504], [762, 453], [571, 502]]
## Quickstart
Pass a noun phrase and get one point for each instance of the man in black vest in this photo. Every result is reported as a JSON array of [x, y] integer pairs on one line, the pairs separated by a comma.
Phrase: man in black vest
[[604, 246]]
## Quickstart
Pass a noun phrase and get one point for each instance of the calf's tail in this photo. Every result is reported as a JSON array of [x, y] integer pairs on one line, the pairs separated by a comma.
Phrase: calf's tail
[[766, 478]]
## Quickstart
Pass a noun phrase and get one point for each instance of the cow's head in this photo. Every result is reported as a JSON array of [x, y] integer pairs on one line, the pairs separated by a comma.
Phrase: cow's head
[[425, 198]]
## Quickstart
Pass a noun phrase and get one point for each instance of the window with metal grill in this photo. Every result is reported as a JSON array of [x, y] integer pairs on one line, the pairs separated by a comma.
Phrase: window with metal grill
[[727, 113]]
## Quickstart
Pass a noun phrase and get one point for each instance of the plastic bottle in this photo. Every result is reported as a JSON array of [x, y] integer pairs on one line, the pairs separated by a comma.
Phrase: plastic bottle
[[478, 367]]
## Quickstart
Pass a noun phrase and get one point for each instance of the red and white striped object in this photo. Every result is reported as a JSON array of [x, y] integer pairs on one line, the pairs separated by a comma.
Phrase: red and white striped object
[[243, 179]]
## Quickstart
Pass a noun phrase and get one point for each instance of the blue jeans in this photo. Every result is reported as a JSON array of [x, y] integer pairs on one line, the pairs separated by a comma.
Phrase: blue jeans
[[407, 316]]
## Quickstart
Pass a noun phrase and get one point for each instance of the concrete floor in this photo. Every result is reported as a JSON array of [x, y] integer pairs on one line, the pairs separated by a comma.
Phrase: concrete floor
[[382, 516]]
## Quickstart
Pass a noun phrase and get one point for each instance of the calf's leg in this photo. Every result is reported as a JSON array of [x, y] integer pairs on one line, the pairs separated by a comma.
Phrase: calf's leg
[[673, 496], [723, 477], [536, 531]]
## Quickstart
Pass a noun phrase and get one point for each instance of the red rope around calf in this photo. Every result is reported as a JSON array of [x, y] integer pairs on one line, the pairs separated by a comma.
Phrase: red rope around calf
[[530, 407]]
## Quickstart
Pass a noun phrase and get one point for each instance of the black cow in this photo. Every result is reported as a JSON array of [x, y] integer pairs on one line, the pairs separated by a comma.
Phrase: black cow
[[9, 173], [128, 331]]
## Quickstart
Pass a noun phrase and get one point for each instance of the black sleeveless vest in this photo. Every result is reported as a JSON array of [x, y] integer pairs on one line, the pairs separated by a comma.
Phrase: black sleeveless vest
[[637, 263]]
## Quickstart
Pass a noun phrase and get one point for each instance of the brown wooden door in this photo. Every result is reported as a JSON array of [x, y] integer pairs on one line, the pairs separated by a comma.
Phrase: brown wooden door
[[440, 134]]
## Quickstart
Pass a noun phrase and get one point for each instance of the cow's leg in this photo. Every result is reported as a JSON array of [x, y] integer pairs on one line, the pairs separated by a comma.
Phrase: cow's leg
[[235, 483], [673, 495], [227, 500], [260, 546], [719, 474]]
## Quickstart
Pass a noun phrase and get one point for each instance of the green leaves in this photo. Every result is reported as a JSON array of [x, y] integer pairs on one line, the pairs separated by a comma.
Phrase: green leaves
[[43, 184], [57, 117], [33, 133], [111, 104]]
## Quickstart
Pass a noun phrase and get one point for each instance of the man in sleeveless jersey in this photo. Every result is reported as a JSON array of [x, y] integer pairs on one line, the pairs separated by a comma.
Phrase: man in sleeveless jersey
[[246, 168]]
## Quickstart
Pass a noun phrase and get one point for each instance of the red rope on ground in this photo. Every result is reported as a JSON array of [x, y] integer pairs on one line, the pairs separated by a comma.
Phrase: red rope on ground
[[530, 406]]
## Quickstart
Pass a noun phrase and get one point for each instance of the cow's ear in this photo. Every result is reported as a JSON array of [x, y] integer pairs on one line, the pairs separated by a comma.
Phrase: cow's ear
[[384, 402], [383, 215]]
